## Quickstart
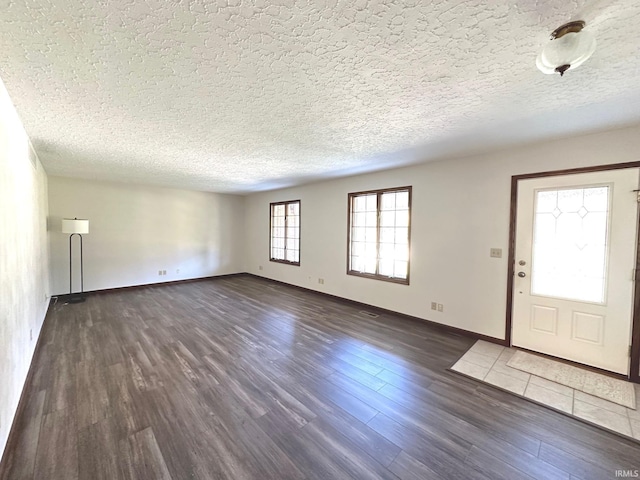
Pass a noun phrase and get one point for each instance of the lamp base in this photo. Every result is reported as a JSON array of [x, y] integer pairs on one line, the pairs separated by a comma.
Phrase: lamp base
[[76, 299]]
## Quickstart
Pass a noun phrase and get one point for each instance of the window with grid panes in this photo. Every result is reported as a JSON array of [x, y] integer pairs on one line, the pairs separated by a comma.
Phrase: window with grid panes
[[285, 232], [379, 234]]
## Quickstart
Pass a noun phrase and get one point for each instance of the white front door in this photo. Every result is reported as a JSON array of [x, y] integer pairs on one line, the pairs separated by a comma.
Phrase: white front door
[[574, 258]]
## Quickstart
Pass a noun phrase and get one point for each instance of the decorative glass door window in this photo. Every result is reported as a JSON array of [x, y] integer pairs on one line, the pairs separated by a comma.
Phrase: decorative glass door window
[[570, 243]]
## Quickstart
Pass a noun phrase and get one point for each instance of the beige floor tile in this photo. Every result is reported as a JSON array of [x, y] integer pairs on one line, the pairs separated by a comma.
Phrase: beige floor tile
[[549, 397], [486, 348], [599, 402], [635, 429], [549, 385], [479, 359], [637, 409], [507, 382], [502, 367], [471, 369], [634, 414], [506, 354], [612, 421]]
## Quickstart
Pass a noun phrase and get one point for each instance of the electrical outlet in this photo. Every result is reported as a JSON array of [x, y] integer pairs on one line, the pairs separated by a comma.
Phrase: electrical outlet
[[495, 253], [440, 307], [159, 272], [434, 306], [164, 272], [259, 267], [321, 281], [177, 270]]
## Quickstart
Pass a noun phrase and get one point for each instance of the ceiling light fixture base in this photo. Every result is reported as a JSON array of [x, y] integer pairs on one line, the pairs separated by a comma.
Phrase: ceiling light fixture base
[[570, 27], [570, 46]]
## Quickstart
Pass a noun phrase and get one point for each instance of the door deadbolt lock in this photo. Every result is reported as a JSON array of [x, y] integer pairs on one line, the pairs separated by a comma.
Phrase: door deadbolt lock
[[522, 274], [522, 263]]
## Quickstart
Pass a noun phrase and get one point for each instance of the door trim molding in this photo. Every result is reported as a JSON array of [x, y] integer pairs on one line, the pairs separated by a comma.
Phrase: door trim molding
[[634, 370]]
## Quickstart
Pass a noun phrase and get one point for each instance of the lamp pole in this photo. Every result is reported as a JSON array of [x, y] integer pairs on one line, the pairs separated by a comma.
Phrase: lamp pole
[[74, 227]]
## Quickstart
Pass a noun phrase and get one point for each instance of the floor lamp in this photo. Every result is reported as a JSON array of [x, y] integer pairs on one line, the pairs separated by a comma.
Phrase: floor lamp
[[75, 226]]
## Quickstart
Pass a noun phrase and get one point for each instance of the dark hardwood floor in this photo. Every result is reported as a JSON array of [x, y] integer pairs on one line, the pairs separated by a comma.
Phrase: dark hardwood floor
[[242, 378]]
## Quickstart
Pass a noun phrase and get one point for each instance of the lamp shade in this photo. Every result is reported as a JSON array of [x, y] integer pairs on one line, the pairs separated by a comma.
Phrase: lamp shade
[[75, 225], [570, 50]]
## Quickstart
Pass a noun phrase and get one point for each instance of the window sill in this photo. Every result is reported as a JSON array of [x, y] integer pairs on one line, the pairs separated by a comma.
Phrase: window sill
[[286, 262], [400, 281]]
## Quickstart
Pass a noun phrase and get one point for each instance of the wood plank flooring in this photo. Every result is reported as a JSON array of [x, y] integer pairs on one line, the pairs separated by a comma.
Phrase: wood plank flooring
[[242, 378]]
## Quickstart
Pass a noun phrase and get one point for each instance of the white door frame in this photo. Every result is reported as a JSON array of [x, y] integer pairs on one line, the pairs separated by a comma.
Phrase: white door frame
[[634, 371]]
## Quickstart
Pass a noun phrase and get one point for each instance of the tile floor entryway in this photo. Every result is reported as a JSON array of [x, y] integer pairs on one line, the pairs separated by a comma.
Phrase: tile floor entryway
[[488, 362]]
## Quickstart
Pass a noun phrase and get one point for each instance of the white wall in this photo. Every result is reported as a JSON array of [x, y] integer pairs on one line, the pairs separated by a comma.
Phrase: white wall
[[460, 211], [24, 262], [134, 231]]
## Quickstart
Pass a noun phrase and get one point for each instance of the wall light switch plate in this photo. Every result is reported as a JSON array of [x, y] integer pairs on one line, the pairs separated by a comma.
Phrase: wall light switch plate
[[495, 253]]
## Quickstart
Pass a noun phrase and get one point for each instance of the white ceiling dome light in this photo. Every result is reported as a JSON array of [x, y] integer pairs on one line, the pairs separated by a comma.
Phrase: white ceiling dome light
[[569, 47]]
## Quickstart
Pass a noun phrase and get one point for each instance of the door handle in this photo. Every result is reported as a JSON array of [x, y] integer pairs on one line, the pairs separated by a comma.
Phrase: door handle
[[522, 274]]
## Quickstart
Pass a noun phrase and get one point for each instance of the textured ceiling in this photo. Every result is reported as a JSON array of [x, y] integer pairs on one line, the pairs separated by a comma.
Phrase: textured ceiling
[[239, 96]]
